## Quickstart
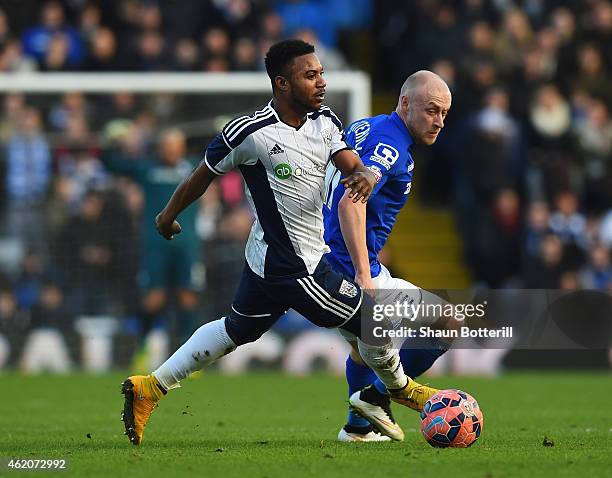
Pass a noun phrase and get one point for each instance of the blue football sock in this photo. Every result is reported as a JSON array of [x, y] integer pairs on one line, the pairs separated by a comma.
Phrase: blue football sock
[[416, 361], [358, 376]]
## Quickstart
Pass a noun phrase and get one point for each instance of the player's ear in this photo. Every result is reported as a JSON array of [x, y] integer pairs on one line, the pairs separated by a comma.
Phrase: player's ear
[[281, 83]]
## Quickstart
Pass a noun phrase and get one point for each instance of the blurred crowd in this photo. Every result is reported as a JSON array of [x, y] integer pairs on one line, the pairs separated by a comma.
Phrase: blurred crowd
[[526, 155], [82, 178], [525, 159], [167, 35]]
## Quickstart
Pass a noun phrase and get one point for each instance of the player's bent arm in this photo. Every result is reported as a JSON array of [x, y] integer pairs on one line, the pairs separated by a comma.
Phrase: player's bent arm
[[352, 218], [190, 189], [359, 179]]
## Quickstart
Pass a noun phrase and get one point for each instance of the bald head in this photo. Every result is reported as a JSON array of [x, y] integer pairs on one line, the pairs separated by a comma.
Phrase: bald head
[[423, 104], [421, 82]]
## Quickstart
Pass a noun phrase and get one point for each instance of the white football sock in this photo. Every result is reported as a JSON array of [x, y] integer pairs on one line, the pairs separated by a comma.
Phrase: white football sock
[[385, 362], [206, 345]]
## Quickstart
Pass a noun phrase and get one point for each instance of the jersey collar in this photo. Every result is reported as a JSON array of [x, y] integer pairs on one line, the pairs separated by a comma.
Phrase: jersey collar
[[276, 115], [402, 127]]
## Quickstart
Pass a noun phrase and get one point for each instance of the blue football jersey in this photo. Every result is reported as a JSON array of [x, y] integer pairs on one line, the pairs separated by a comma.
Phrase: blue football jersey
[[383, 143]]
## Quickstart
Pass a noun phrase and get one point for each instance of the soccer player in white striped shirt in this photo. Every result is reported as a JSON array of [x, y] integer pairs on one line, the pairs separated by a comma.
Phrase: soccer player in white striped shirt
[[282, 151]]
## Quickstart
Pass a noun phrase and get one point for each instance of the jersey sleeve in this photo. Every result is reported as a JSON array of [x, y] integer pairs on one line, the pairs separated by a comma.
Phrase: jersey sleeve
[[338, 137], [221, 158], [380, 154]]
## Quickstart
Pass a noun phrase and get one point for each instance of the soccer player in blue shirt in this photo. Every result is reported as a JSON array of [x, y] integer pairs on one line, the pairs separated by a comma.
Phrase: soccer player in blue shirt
[[384, 143]]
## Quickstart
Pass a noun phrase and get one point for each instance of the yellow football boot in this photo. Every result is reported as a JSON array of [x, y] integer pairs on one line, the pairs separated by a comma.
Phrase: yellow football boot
[[141, 392], [413, 395]]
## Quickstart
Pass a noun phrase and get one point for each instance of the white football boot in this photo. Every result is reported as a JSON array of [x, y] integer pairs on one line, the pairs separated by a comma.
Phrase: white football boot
[[357, 434], [375, 407]]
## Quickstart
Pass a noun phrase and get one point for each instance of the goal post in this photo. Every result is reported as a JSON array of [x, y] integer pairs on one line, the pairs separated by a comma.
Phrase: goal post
[[355, 85]]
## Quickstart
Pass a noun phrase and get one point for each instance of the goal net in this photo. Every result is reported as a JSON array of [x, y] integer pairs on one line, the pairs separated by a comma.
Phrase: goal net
[[74, 223]]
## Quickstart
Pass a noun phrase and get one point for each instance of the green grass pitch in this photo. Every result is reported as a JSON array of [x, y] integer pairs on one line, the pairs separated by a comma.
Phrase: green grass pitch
[[267, 425]]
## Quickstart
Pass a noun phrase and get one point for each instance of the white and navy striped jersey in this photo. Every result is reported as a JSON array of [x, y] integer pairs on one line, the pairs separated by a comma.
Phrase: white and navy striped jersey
[[284, 173]]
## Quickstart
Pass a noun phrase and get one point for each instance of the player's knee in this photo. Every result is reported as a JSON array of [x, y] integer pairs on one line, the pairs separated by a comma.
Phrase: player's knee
[[243, 330], [364, 327]]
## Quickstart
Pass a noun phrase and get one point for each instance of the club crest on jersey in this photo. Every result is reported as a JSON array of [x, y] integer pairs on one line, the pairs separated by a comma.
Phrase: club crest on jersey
[[377, 172], [282, 171], [327, 136], [347, 289]]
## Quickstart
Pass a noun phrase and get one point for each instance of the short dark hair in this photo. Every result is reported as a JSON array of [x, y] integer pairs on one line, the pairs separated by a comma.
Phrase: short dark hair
[[281, 54]]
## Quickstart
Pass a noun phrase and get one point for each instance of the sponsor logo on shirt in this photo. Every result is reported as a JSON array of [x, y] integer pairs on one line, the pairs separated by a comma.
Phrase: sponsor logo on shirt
[[385, 155], [317, 170], [361, 130], [377, 172], [282, 171]]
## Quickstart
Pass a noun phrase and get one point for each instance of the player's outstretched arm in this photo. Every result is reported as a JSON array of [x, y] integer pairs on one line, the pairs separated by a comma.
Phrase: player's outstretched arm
[[192, 187], [352, 218], [359, 179]]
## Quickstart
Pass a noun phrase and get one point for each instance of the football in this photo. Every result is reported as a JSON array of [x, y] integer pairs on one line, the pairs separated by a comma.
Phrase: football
[[451, 418]]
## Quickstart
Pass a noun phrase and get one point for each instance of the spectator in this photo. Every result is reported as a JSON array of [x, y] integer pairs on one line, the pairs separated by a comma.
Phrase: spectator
[[186, 55], [271, 27], [239, 16], [569, 225], [151, 52], [56, 56], [216, 44], [13, 60], [551, 145], [5, 31], [536, 230], [28, 177], [545, 270], [591, 75], [516, 34], [77, 158], [308, 14], [245, 55], [498, 241], [103, 54], [52, 43], [30, 281], [597, 274], [50, 310], [331, 58], [87, 252], [594, 144], [90, 21], [12, 109], [73, 105], [166, 266]]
